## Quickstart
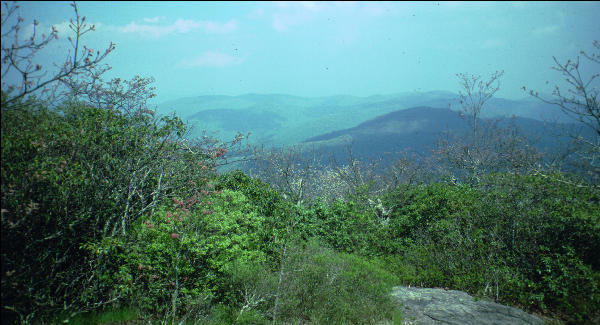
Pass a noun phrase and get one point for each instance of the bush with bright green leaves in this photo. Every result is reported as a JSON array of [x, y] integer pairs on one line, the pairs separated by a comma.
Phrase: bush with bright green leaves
[[347, 226], [279, 213], [351, 226], [180, 255]]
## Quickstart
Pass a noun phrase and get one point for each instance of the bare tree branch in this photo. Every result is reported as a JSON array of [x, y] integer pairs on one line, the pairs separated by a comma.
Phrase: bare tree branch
[[81, 67], [580, 101]]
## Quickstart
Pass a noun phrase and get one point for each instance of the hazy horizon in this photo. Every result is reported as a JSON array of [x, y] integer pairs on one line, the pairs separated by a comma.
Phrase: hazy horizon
[[320, 49]]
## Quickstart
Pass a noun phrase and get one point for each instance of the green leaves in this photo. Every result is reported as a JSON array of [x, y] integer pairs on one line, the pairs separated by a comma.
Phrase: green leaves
[[528, 240], [79, 176], [186, 249], [119, 208]]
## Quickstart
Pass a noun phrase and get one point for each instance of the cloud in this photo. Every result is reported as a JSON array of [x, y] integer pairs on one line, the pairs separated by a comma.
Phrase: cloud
[[286, 15], [63, 28], [545, 30], [292, 13], [281, 22], [302, 5], [256, 13], [211, 59], [180, 26], [153, 20]]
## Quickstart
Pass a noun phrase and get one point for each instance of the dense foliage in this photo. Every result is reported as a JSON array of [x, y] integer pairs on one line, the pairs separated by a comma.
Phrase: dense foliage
[[525, 240], [104, 211], [74, 180]]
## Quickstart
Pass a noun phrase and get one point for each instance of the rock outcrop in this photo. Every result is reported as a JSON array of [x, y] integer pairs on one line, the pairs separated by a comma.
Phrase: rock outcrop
[[439, 306]]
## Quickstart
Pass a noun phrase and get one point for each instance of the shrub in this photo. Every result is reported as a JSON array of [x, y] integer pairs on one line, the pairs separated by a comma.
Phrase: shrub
[[313, 284], [326, 287], [181, 254], [74, 180], [527, 240]]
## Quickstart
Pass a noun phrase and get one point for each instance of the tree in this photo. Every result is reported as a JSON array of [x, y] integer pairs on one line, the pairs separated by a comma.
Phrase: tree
[[476, 93], [304, 175], [489, 145], [82, 161], [81, 69], [290, 170], [580, 101]]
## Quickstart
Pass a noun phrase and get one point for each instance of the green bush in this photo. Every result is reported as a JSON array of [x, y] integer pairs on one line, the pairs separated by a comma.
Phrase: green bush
[[526, 240], [346, 226], [326, 287], [74, 180], [313, 284], [280, 215], [181, 254]]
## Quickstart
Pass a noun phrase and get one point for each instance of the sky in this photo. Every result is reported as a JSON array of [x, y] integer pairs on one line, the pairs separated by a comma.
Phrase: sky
[[328, 48]]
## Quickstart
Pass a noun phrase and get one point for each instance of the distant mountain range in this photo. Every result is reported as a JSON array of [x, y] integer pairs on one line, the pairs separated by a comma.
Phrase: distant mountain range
[[371, 126], [276, 120]]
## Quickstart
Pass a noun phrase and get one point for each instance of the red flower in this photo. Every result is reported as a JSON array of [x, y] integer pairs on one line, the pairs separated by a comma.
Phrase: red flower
[[174, 236], [178, 202]]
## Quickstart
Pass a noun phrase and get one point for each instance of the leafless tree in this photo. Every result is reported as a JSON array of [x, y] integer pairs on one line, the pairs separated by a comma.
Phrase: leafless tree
[[489, 145], [20, 60], [290, 170], [476, 92], [580, 101]]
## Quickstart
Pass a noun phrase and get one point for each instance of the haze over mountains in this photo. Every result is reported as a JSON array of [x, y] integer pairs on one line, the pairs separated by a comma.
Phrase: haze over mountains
[[406, 121], [279, 119]]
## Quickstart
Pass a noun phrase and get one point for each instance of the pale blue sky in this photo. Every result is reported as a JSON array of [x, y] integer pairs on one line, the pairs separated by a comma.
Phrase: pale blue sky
[[321, 48]]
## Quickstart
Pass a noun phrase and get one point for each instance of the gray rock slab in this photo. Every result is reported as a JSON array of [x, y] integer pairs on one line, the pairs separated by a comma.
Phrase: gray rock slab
[[439, 306]]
